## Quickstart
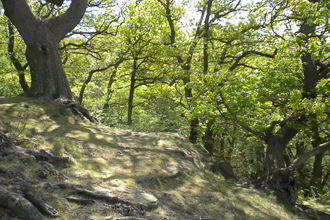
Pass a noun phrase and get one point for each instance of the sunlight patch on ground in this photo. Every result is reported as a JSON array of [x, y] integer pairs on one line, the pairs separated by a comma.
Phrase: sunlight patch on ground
[[83, 136], [320, 204], [107, 160]]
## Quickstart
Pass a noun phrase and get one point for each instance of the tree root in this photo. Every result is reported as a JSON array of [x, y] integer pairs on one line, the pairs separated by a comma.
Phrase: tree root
[[85, 197], [77, 109], [284, 180], [17, 196], [18, 205], [31, 195], [16, 193]]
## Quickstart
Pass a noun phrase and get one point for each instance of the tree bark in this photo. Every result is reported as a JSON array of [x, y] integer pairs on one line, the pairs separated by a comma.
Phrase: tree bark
[[276, 144], [315, 151], [41, 38], [112, 79], [208, 137], [316, 181], [18, 205], [17, 64], [56, 2], [131, 93], [311, 78]]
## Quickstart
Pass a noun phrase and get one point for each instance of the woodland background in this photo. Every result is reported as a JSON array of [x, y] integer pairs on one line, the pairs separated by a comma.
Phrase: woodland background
[[224, 73]]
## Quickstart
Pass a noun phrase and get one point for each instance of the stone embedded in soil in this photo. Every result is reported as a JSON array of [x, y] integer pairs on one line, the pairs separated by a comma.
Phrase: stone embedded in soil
[[144, 177], [172, 170], [139, 196]]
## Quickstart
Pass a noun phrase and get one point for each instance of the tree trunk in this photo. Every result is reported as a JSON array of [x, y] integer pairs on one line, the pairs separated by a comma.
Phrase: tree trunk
[[208, 138], [276, 144], [47, 73], [316, 181], [274, 154], [41, 38], [17, 64], [287, 175], [131, 94], [112, 79], [193, 134], [184, 63]]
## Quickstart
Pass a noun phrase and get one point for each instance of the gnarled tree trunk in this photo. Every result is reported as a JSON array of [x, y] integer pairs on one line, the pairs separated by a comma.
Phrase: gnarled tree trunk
[[276, 144], [41, 38]]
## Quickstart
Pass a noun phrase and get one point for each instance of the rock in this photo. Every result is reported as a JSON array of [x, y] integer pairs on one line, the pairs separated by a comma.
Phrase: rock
[[139, 196], [172, 170], [127, 218], [144, 177]]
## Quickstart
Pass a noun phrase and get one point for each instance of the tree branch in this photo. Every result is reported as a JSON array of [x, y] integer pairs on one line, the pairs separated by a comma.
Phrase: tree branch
[[64, 23], [20, 14], [247, 53], [243, 125], [280, 122], [91, 73], [317, 150], [15, 61], [221, 14]]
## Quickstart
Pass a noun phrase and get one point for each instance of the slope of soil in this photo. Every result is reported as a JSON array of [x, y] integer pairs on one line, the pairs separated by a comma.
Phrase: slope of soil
[[119, 174]]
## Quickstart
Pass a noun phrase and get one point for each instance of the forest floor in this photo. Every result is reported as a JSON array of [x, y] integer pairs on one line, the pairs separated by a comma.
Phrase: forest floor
[[121, 174]]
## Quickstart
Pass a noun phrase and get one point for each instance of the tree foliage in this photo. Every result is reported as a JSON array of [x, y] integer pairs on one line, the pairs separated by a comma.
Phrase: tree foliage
[[250, 81]]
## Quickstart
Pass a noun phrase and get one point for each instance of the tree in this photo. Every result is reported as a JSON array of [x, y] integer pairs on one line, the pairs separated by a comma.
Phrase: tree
[[301, 108], [184, 62], [16, 62], [41, 37]]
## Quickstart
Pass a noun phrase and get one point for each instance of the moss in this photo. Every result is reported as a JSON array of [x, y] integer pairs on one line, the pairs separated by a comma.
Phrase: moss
[[105, 157]]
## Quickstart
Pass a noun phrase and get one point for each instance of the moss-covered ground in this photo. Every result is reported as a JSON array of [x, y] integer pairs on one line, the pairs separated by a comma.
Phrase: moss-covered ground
[[107, 159]]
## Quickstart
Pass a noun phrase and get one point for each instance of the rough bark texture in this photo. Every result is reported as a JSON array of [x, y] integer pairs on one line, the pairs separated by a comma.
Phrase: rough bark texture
[[56, 2], [311, 77], [284, 178], [193, 134], [18, 205], [276, 144], [276, 173], [277, 176]]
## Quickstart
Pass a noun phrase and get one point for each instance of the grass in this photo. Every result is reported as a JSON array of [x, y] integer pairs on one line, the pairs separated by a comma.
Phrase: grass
[[107, 158]]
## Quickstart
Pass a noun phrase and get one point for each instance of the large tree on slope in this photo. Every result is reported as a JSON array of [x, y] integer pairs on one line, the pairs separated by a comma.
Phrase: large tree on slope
[[41, 37]]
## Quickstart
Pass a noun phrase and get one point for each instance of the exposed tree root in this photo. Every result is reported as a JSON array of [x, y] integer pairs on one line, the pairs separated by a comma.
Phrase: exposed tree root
[[18, 196], [313, 213], [85, 197], [16, 192], [77, 109], [18, 205], [284, 180]]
